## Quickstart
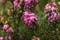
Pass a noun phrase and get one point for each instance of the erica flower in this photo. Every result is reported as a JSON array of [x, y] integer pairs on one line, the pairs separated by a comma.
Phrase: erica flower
[[9, 31], [51, 11], [50, 7], [52, 17], [1, 38], [5, 27], [47, 8], [16, 3], [29, 18], [30, 4], [10, 37]]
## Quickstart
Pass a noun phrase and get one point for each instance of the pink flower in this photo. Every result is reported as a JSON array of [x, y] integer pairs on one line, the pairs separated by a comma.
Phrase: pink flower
[[51, 11], [47, 8], [8, 30], [1, 38], [10, 37], [30, 4], [9, 33], [52, 17], [29, 18], [16, 4], [50, 7], [33, 17], [5, 27]]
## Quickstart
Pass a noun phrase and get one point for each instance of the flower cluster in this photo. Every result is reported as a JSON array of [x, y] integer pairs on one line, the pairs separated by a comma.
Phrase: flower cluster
[[1, 38], [16, 3], [30, 4], [8, 30], [50, 8], [52, 17], [51, 12], [29, 18]]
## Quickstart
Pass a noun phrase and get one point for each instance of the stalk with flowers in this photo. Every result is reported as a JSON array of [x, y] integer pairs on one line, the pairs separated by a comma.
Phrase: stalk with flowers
[[23, 20], [52, 16]]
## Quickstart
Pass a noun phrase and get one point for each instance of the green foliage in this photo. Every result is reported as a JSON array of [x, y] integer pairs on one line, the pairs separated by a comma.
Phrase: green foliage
[[27, 33]]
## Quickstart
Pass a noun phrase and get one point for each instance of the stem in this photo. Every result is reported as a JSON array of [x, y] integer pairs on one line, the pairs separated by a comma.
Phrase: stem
[[16, 36], [43, 31]]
